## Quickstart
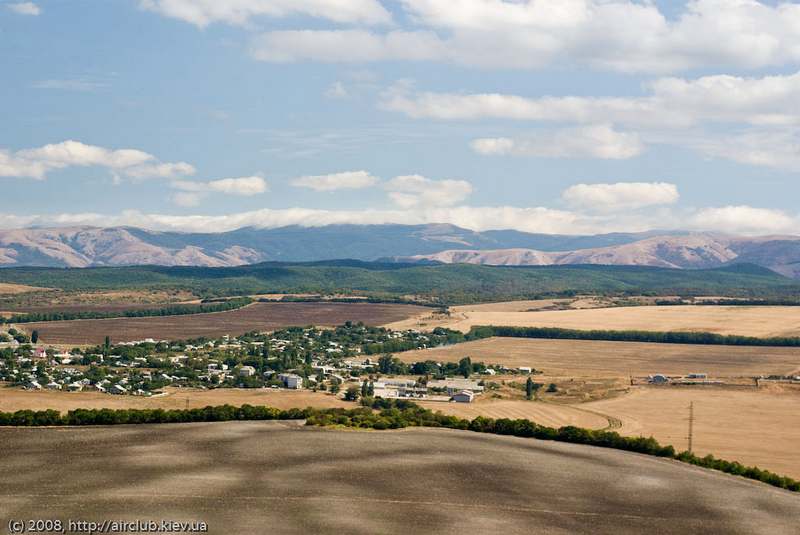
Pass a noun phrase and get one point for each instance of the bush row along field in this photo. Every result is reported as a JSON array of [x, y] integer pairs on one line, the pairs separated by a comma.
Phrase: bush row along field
[[447, 283], [658, 337], [391, 415], [136, 312]]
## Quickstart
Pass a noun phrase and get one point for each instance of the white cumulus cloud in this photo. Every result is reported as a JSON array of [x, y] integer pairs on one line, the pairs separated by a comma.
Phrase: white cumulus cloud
[[37, 162], [594, 141], [620, 35], [192, 192], [413, 191], [201, 13], [25, 8], [620, 196], [744, 220], [336, 181]]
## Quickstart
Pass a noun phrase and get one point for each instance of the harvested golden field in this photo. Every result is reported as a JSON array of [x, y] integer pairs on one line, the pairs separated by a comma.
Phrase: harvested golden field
[[255, 317], [430, 319], [762, 321], [598, 358], [7, 288], [542, 413], [755, 427], [14, 399]]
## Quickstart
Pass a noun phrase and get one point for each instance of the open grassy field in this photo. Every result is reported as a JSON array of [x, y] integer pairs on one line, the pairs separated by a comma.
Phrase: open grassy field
[[583, 358], [13, 289], [258, 316], [548, 414], [756, 427], [14, 399], [257, 477], [762, 321]]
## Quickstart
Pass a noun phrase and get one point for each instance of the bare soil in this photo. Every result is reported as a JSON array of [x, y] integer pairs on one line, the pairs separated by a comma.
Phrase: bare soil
[[255, 317], [274, 477]]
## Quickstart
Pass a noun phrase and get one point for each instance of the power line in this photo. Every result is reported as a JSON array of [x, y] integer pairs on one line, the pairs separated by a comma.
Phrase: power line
[[691, 425]]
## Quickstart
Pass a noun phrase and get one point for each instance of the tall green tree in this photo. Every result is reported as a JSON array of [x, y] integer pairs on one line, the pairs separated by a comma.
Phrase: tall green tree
[[465, 367]]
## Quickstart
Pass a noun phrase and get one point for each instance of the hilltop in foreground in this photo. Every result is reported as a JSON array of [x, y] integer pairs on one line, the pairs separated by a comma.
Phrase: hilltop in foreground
[[248, 477]]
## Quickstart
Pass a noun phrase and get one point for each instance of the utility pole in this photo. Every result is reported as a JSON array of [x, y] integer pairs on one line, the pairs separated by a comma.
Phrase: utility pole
[[691, 425]]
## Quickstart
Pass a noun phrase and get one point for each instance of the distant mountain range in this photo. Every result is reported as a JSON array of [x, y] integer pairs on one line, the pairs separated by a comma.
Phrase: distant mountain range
[[118, 246]]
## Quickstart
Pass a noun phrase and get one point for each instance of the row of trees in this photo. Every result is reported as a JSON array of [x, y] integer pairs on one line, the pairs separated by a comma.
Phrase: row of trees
[[390, 414], [171, 310], [666, 337]]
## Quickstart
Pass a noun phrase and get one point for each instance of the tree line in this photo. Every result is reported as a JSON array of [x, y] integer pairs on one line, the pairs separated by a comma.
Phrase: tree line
[[666, 337], [171, 310], [391, 414]]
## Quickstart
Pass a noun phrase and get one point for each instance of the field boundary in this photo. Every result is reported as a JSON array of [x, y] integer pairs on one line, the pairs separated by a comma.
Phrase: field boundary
[[478, 332]]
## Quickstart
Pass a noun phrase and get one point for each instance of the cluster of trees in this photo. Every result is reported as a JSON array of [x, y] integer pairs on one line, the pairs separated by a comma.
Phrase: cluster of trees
[[390, 414], [20, 337], [438, 337], [171, 310], [220, 413], [784, 302], [666, 337]]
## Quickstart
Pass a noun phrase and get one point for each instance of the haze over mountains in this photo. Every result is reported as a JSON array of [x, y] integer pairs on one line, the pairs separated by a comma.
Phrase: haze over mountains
[[90, 246]]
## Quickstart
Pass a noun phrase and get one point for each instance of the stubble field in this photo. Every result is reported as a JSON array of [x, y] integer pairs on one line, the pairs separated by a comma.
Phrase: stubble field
[[7, 288], [756, 427], [600, 358], [14, 399], [276, 477], [255, 317], [761, 321]]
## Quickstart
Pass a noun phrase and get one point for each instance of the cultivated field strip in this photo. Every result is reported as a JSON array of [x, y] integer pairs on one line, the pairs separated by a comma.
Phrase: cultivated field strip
[[255, 317]]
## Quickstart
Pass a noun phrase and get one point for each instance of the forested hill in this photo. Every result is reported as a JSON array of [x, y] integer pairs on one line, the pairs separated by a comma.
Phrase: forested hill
[[452, 283]]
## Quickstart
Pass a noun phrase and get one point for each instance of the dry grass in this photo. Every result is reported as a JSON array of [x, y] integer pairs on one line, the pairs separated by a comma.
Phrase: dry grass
[[582, 358], [7, 288], [14, 399], [255, 317], [760, 321], [539, 412], [755, 427]]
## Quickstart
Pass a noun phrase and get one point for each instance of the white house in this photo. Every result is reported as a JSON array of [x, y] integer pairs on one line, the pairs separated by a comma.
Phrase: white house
[[247, 371], [465, 396], [290, 380]]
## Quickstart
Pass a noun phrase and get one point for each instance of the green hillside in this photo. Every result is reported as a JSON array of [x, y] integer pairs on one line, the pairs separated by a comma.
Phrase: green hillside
[[453, 283]]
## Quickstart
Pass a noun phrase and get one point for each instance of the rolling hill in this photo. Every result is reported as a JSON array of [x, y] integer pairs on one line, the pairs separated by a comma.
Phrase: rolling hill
[[127, 246], [452, 283]]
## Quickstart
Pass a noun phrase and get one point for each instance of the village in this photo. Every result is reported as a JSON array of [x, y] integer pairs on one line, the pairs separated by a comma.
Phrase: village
[[350, 361]]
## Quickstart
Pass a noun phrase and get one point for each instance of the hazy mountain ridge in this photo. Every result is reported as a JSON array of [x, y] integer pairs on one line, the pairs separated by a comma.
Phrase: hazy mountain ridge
[[691, 251], [115, 246], [120, 246]]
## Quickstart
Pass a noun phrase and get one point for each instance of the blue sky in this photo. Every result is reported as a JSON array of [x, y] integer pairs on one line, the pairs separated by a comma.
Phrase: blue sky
[[576, 116]]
